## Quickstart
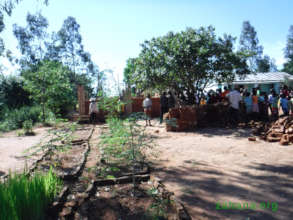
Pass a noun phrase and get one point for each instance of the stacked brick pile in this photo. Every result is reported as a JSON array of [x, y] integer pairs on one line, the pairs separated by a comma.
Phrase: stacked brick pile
[[280, 131], [185, 118]]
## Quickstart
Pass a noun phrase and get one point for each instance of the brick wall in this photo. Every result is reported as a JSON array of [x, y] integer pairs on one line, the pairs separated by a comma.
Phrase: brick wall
[[137, 105]]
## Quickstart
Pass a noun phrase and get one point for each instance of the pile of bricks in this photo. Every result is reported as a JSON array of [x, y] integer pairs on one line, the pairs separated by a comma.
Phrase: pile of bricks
[[280, 131], [185, 118]]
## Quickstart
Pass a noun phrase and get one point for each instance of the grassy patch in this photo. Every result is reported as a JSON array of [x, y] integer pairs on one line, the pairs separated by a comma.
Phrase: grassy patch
[[27, 198]]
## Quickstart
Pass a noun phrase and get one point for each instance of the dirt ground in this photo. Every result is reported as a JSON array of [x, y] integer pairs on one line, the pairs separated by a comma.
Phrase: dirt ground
[[12, 147], [221, 165], [203, 168]]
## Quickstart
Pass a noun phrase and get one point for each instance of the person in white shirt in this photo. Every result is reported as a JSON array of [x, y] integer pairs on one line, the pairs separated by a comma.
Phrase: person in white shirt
[[147, 106], [93, 110], [234, 98]]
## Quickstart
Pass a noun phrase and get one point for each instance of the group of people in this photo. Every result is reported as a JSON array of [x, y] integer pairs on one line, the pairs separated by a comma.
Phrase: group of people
[[258, 105]]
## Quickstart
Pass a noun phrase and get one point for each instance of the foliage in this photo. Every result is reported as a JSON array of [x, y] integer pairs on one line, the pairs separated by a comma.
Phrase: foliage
[[65, 46], [32, 39], [187, 61], [129, 70], [12, 93], [249, 44], [266, 64], [61, 133], [50, 87], [27, 198], [6, 7], [289, 46], [126, 140], [111, 105], [14, 119], [288, 66], [159, 207], [27, 127]]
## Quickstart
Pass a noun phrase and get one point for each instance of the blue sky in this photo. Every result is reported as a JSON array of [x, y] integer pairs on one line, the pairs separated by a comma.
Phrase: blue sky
[[113, 29]]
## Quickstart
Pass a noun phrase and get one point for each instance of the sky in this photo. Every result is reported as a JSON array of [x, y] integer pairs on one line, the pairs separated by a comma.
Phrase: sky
[[113, 30]]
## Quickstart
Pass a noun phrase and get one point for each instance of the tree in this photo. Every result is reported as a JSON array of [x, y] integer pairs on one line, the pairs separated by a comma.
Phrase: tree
[[266, 64], [249, 44], [50, 87], [128, 70], [6, 8], [12, 93], [186, 62], [288, 66], [32, 39], [70, 51]]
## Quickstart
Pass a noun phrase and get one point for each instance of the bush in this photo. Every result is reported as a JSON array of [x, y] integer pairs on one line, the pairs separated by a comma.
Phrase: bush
[[27, 198], [14, 119], [28, 126]]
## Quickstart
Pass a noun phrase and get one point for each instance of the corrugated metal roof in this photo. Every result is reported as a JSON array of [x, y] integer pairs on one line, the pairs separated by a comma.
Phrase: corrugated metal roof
[[269, 77]]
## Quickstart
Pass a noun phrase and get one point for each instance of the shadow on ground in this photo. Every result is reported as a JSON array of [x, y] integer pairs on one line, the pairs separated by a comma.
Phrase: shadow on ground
[[202, 186], [236, 132]]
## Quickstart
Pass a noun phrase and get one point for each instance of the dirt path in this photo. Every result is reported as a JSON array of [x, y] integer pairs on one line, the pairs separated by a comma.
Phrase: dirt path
[[221, 165], [12, 148]]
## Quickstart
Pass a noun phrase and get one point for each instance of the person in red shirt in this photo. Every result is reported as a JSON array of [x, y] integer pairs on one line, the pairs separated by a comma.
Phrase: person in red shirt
[[225, 93]]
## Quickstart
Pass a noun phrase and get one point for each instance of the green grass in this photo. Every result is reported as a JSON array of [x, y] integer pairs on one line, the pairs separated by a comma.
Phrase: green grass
[[24, 198]]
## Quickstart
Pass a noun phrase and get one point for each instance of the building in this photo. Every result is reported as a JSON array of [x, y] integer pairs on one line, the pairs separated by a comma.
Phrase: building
[[265, 81]]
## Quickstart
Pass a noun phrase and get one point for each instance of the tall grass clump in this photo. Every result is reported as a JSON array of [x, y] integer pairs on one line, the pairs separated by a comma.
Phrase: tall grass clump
[[24, 198]]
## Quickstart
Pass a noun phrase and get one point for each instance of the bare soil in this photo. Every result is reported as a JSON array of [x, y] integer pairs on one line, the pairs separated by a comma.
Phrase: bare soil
[[220, 165], [202, 168], [12, 150]]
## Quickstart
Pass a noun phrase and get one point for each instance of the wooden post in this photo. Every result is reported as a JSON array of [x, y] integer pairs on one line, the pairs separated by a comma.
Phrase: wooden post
[[81, 100]]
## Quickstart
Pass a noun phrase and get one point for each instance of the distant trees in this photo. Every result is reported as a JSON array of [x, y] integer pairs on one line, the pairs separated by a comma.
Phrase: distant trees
[[186, 62], [64, 47]]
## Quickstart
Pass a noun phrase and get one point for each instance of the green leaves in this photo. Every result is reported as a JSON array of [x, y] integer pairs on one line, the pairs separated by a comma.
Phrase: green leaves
[[185, 61], [50, 86]]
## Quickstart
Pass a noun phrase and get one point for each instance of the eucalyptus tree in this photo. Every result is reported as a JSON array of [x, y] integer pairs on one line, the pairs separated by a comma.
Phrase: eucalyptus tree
[[186, 62], [266, 64], [288, 51], [32, 39], [249, 44]]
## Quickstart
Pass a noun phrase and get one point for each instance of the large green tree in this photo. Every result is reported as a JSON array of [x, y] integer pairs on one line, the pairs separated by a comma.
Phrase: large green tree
[[186, 62], [49, 85], [249, 44]]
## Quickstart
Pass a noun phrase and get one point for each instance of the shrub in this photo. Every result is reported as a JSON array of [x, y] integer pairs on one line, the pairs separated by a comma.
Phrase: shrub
[[27, 198], [14, 119], [27, 126]]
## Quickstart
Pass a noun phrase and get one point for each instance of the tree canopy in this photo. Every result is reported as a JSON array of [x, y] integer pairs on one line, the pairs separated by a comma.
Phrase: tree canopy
[[186, 62]]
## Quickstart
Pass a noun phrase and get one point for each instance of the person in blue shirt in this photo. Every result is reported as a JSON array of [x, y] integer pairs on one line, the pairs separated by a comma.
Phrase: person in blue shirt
[[284, 103], [248, 105]]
